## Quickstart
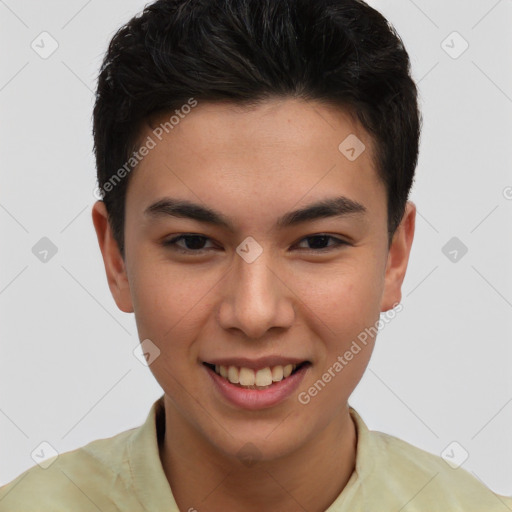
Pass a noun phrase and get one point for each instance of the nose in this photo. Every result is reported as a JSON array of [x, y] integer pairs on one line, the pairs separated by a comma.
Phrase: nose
[[256, 297]]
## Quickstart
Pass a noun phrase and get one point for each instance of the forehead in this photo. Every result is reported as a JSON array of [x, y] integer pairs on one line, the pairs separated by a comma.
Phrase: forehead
[[282, 124], [272, 154]]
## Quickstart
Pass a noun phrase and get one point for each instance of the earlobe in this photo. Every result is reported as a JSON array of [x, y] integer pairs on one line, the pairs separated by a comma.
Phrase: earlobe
[[398, 259], [115, 268]]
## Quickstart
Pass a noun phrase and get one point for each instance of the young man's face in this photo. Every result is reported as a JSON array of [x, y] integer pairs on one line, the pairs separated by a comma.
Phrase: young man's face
[[257, 288]]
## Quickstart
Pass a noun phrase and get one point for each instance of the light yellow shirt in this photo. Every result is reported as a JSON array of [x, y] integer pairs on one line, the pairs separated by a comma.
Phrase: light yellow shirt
[[124, 474]]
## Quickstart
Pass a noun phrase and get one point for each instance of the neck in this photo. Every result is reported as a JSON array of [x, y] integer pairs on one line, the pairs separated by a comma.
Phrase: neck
[[310, 478]]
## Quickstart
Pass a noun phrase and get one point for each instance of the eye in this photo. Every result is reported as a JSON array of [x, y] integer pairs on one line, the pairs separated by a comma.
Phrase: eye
[[320, 241], [193, 243]]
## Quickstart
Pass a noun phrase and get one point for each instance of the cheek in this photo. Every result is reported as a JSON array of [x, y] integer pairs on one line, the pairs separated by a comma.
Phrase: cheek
[[346, 312], [169, 301], [344, 300], [169, 311]]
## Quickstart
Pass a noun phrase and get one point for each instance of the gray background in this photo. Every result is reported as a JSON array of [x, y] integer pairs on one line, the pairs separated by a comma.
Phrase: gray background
[[441, 371]]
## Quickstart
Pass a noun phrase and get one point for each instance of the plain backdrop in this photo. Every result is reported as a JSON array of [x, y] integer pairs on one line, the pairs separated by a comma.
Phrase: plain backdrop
[[441, 370]]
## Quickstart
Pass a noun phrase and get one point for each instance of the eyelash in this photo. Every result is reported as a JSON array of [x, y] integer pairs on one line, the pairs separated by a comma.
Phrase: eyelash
[[172, 243]]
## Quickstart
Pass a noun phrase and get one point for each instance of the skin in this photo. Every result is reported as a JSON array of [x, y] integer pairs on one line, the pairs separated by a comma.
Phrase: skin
[[254, 165]]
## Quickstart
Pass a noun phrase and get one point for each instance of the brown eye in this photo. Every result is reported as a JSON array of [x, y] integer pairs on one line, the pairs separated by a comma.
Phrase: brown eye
[[319, 243], [192, 243]]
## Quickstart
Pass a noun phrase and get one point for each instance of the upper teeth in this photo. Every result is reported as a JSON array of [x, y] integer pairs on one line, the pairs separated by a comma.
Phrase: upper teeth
[[249, 377]]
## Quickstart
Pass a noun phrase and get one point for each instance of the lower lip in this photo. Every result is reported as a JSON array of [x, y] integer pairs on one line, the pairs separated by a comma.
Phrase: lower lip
[[254, 399]]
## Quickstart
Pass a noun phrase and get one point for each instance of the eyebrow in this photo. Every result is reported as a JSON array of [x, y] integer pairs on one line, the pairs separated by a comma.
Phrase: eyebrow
[[330, 207]]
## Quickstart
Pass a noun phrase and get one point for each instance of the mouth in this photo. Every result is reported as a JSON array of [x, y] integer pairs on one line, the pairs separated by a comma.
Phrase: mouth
[[256, 378]]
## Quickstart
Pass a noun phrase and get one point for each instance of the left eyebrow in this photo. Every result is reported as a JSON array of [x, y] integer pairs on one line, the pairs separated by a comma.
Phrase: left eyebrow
[[331, 207]]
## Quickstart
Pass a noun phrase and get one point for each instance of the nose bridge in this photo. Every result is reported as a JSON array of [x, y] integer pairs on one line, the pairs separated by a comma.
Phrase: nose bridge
[[255, 279], [256, 301]]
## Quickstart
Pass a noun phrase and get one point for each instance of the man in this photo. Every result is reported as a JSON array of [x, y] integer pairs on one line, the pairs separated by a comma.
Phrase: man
[[254, 159]]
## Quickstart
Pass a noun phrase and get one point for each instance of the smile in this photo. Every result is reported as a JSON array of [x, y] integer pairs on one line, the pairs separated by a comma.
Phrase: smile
[[255, 379], [256, 384]]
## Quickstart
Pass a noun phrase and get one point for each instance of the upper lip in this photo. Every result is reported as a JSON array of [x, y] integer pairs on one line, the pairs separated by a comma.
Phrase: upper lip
[[261, 362]]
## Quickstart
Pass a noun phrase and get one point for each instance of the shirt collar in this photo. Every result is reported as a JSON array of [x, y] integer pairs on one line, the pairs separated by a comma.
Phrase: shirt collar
[[365, 452], [149, 481]]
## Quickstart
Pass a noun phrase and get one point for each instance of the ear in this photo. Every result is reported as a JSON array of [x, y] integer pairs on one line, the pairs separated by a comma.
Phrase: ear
[[398, 258], [112, 259]]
